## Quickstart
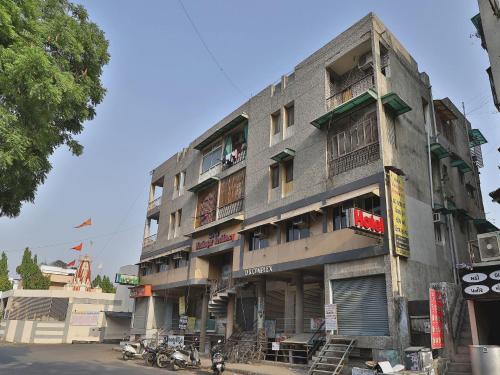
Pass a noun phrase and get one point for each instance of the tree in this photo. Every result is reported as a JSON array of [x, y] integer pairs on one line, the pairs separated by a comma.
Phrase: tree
[[104, 283], [5, 283], [51, 61], [30, 273]]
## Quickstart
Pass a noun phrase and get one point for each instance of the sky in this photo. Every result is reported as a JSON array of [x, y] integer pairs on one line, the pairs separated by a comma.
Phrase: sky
[[163, 89]]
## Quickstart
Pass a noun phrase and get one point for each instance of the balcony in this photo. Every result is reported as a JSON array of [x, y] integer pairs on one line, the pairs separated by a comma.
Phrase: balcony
[[354, 159], [359, 93], [148, 242], [173, 275], [205, 218], [230, 209], [154, 207], [233, 158]]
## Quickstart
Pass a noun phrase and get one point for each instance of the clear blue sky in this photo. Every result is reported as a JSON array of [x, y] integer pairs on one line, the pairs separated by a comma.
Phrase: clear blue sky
[[163, 90]]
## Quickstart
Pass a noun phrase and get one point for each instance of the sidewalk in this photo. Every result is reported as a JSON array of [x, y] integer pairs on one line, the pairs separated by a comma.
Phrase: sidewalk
[[257, 368]]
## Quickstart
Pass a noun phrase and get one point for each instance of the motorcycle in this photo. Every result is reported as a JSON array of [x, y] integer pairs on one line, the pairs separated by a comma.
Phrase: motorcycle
[[184, 357], [150, 355], [218, 358], [133, 350], [163, 355]]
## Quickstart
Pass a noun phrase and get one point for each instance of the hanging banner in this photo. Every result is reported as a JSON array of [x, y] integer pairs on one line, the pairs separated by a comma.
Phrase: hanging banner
[[436, 305], [182, 306], [399, 221], [331, 317]]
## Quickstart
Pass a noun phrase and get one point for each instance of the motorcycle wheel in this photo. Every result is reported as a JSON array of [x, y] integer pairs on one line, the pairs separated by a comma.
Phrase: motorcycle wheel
[[149, 360], [162, 360], [125, 356]]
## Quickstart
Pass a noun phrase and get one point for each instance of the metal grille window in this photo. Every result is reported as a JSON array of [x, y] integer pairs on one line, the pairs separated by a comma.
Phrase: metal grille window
[[38, 308], [276, 122], [275, 176], [258, 239], [290, 115], [361, 306], [211, 159]]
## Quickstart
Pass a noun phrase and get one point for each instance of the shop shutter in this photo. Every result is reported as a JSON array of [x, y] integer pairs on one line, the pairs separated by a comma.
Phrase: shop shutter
[[140, 313], [361, 306]]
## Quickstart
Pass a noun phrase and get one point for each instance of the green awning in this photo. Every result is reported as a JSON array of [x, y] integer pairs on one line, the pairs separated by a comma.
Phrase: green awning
[[219, 132], [463, 213], [439, 151], [441, 209], [484, 226], [457, 162], [203, 184], [395, 104], [368, 96], [282, 155], [476, 138]]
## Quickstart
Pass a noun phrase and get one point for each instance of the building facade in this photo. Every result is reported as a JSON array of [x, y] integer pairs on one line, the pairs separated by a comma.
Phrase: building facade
[[487, 23], [346, 183]]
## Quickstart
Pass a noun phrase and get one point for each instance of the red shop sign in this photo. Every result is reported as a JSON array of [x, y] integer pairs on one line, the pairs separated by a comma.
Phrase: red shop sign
[[366, 221], [436, 305], [215, 239], [141, 291]]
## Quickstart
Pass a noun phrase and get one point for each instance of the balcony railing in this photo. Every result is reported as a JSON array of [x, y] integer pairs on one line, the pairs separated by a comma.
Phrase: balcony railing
[[354, 159], [205, 218], [231, 208], [154, 203], [149, 241], [351, 92], [234, 158]]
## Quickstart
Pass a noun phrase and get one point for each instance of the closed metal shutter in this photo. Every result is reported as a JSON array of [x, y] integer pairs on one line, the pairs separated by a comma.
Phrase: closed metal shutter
[[140, 313], [361, 306]]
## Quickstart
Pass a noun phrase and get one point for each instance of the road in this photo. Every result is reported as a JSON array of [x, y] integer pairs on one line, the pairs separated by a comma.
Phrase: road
[[73, 359]]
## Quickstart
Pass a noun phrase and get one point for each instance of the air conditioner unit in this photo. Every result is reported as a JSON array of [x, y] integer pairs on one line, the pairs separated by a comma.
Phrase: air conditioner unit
[[436, 217], [365, 61], [489, 246], [259, 233]]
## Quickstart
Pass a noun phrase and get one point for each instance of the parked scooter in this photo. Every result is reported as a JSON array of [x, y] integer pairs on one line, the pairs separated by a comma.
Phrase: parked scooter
[[187, 356], [164, 354], [218, 358], [150, 354], [134, 350]]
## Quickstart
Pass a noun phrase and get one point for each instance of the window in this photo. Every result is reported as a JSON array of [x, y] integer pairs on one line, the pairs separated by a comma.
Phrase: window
[[461, 177], [290, 115], [182, 182], [425, 108], [275, 176], [297, 228], [171, 228], [181, 260], [164, 266], [288, 170], [369, 204], [437, 233], [258, 240], [276, 122], [177, 184], [178, 223], [211, 159], [340, 215], [470, 190], [445, 173]]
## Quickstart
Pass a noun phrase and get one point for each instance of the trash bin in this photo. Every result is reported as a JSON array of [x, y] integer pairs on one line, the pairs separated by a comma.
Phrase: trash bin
[[485, 359]]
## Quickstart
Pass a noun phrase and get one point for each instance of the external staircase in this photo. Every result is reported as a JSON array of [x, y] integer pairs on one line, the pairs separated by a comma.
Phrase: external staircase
[[460, 363], [332, 357]]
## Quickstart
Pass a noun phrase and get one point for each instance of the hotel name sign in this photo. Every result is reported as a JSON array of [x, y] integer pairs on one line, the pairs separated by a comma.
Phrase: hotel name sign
[[215, 238], [258, 270]]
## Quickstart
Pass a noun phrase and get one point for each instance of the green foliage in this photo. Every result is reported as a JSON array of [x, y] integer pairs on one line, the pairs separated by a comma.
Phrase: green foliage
[[105, 284], [5, 284], [31, 276], [51, 61]]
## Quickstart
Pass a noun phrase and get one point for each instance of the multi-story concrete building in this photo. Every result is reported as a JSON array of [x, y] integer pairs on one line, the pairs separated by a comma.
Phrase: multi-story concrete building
[[487, 23], [346, 183]]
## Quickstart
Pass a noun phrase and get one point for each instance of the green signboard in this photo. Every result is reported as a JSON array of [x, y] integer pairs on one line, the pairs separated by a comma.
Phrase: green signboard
[[126, 279]]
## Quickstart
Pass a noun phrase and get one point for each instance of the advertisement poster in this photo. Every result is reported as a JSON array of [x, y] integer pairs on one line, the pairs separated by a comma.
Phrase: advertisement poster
[[183, 322], [316, 323], [331, 317], [175, 341], [191, 323], [436, 305], [399, 221]]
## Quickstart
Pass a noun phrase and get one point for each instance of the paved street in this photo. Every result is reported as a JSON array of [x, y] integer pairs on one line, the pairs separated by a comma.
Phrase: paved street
[[76, 359]]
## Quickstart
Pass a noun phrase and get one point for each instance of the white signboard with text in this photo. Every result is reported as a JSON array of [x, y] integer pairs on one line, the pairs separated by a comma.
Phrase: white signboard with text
[[175, 341], [331, 317]]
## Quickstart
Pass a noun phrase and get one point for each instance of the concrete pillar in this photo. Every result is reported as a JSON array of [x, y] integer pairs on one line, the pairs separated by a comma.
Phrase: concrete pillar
[[150, 317], [289, 308], [203, 323], [261, 302], [299, 303], [231, 304]]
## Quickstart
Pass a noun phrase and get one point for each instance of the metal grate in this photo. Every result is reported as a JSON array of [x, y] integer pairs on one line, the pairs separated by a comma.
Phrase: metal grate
[[231, 208], [354, 159], [477, 156], [38, 308]]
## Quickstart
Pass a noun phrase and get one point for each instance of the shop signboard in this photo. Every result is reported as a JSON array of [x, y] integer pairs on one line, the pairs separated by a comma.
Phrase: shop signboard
[[182, 305], [175, 341], [88, 318], [215, 238], [126, 279], [275, 346], [399, 220], [436, 304], [141, 291], [258, 270], [183, 322], [331, 317], [481, 282], [366, 221]]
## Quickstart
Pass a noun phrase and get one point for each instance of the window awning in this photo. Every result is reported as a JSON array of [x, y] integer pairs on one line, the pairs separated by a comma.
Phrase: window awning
[[282, 155], [484, 226], [456, 161], [444, 112], [213, 224], [395, 104], [219, 132], [441, 209], [315, 207], [438, 150], [258, 224], [203, 184], [161, 253], [368, 96], [495, 195], [374, 189], [476, 138]]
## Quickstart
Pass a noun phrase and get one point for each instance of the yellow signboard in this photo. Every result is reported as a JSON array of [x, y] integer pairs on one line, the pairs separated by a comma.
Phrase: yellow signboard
[[399, 221], [182, 306]]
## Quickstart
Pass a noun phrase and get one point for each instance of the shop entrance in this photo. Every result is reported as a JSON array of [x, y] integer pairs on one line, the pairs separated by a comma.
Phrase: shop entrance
[[488, 322]]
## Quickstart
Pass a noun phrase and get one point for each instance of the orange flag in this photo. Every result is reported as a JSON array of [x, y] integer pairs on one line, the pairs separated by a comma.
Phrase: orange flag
[[78, 247], [85, 223]]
